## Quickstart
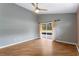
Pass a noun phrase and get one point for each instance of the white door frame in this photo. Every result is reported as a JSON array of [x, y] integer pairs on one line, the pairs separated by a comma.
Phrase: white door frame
[[46, 30]]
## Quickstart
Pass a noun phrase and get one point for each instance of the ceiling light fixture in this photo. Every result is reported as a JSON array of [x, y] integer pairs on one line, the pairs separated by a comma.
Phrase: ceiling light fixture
[[36, 11]]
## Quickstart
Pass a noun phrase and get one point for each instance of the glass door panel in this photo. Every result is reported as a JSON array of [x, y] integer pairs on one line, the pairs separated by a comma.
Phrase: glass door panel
[[49, 26], [43, 31], [49, 30], [44, 27]]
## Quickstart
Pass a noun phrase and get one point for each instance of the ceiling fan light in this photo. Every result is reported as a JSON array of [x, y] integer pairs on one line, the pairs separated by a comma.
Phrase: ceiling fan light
[[37, 11]]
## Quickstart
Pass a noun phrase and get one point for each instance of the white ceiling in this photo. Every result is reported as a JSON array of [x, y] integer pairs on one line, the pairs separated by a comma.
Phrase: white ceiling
[[53, 8]]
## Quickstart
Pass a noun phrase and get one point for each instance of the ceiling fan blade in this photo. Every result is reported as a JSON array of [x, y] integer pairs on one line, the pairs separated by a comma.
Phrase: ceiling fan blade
[[33, 4], [43, 9], [36, 7]]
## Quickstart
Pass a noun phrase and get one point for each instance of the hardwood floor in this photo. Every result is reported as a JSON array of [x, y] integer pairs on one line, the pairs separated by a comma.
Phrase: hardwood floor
[[40, 47]]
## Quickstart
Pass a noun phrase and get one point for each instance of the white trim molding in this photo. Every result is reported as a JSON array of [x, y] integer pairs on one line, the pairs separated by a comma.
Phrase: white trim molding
[[17, 43], [77, 47], [69, 43], [65, 42]]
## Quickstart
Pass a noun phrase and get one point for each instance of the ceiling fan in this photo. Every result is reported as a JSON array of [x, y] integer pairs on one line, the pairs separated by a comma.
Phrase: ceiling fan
[[36, 8]]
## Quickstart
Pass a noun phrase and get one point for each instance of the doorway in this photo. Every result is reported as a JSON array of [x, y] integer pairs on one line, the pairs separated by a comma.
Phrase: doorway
[[47, 30]]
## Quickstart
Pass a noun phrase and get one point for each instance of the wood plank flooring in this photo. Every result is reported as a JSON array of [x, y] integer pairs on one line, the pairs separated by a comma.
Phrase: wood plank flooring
[[40, 47]]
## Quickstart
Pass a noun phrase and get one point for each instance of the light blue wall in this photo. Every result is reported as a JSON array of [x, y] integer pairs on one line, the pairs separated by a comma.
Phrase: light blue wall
[[16, 24], [65, 29]]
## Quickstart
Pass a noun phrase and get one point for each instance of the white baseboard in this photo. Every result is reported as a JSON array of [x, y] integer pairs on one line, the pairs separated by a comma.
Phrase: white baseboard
[[66, 42], [69, 43], [37, 38], [17, 43], [77, 48]]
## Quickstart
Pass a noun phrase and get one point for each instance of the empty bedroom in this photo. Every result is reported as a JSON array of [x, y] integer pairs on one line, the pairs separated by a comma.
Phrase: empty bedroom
[[39, 29]]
